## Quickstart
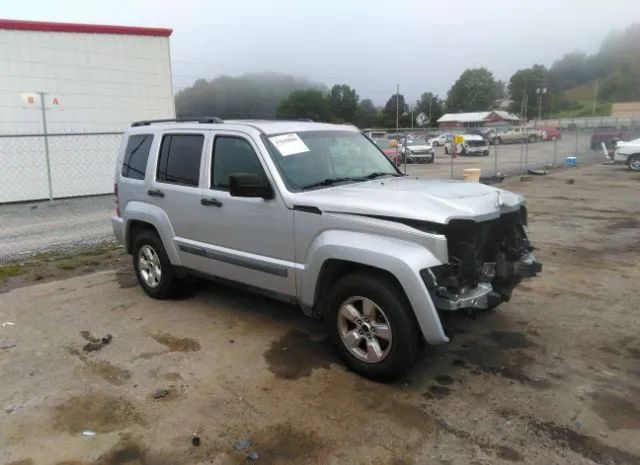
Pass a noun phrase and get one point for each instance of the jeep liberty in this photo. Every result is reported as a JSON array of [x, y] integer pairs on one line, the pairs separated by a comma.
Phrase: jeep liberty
[[315, 214]]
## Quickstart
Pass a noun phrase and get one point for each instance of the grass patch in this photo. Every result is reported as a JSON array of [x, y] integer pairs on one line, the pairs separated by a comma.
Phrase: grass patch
[[9, 271]]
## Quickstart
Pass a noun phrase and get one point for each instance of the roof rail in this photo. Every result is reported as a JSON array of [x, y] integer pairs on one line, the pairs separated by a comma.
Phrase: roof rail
[[202, 120]]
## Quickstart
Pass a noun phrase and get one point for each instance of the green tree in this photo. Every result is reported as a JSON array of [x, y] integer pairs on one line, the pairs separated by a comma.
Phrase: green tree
[[475, 90], [366, 114], [309, 103], [389, 112], [523, 85], [343, 103], [430, 105]]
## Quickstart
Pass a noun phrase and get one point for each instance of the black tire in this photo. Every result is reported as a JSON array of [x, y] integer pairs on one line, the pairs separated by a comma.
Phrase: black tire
[[431, 160], [446, 151], [533, 139], [633, 162], [168, 282], [435, 143], [499, 140], [388, 296]]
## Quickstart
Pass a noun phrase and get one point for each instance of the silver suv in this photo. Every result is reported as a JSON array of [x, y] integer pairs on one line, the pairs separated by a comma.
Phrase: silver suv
[[315, 214]]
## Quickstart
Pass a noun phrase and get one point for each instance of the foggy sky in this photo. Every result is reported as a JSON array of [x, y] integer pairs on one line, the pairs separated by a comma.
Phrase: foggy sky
[[370, 45]]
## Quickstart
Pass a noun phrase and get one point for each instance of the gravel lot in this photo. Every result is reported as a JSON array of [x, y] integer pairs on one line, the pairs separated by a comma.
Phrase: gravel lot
[[68, 224], [550, 378]]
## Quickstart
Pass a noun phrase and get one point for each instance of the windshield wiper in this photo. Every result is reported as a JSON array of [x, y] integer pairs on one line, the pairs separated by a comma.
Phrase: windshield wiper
[[377, 174], [329, 182]]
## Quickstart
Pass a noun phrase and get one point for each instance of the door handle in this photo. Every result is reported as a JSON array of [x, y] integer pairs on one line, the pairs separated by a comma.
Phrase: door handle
[[155, 193], [211, 202]]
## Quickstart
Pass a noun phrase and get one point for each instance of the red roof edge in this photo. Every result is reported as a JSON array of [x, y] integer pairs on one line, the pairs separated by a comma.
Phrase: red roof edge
[[45, 26]]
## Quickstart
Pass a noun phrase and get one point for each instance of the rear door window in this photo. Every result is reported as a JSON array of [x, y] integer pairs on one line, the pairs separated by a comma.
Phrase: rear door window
[[134, 164], [179, 160]]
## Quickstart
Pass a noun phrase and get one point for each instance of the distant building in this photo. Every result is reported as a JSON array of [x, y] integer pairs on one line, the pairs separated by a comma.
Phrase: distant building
[[625, 110], [478, 119]]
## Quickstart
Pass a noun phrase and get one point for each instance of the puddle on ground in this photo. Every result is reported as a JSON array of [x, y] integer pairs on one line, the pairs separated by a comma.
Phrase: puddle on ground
[[586, 446], [102, 368], [509, 454], [445, 380], [282, 443], [617, 412], [126, 278], [437, 392], [510, 339], [296, 355], [96, 412], [177, 344]]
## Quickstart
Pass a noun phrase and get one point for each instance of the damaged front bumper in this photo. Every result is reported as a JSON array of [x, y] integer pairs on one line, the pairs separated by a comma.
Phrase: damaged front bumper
[[484, 295]]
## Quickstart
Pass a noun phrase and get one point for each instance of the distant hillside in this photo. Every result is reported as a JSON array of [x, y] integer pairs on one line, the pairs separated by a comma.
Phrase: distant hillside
[[616, 68]]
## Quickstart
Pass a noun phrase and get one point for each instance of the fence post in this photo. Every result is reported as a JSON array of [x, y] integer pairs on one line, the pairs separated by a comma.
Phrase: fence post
[[526, 152], [46, 144], [575, 153], [495, 160], [555, 150]]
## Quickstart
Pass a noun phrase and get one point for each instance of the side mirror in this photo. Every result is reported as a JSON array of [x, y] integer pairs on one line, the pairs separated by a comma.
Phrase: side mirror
[[249, 185]]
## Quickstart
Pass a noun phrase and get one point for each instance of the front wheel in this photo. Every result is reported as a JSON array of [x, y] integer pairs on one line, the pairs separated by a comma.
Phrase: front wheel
[[634, 162], [446, 150], [435, 143], [372, 325], [499, 140]]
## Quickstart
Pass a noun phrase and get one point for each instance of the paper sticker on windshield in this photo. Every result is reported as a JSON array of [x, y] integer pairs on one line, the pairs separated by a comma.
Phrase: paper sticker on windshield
[[289, 144]]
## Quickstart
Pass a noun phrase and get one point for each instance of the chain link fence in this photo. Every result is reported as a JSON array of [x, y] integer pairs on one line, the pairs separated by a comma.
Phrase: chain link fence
[[78, 164], [511, 150], [82, 164]]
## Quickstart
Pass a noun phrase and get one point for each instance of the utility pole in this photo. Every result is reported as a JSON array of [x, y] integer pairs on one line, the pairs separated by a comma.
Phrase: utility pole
[[595, 97], [46, 142], [540, 91]]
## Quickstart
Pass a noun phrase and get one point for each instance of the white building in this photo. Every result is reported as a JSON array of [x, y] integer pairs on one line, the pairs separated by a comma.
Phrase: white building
[[96, 79]]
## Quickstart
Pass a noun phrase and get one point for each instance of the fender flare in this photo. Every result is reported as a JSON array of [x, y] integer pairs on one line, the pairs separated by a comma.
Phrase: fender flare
[[155, 216], [401, 258]]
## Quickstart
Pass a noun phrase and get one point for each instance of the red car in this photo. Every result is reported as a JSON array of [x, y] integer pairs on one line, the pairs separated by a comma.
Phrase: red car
[[550, 133], [390, 150]]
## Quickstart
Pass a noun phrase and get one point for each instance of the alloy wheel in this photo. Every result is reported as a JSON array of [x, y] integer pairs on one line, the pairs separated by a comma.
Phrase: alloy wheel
[[364, 329], [149, 266]]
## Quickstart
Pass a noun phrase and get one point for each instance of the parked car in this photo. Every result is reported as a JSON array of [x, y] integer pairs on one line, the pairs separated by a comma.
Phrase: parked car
[[607, 135], [390, 148], [314, 214], [628, 153], [550, 133], [518, 134], [375, 134], [417, 151], [472, 145], [440, 140]]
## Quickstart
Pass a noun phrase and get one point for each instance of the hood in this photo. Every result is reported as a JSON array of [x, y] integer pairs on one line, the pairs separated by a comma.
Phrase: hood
[[415, 148], [435, 200]]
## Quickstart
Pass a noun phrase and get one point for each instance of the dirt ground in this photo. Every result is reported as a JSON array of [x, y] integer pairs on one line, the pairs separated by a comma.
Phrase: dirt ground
[[552, 377]]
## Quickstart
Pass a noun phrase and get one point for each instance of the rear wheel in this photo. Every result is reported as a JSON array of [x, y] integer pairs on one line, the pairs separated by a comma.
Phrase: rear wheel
[[634, 162], [446, 150], [533, 139], [499, 140], [435, 143], [372, 325], [152, 266]]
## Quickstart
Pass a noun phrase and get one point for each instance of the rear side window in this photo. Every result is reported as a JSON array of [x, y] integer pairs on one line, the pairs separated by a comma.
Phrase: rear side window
[[134, 165], [232, 155], [179, 160]]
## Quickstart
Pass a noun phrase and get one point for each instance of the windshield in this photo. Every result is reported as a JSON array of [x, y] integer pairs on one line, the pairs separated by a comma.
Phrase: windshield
[[309, 157], [411, 142]]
